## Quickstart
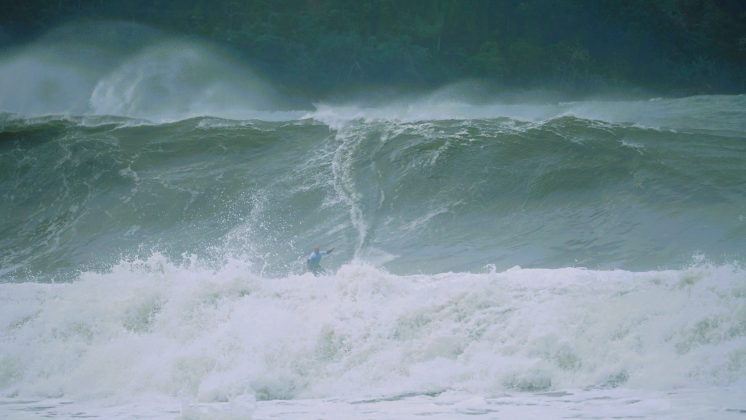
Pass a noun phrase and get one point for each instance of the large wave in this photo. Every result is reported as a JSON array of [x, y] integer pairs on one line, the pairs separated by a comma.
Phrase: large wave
[[435, 195], [151, 245]]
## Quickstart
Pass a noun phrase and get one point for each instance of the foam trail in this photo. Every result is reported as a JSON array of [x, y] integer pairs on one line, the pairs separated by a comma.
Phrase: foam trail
[[344, 184]]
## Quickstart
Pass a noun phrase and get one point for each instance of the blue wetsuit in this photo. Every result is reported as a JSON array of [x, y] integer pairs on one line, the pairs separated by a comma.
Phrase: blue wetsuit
[[314, 261]]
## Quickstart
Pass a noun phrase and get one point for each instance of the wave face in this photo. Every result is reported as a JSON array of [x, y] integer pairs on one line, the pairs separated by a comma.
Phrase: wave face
[[143, 256], [420, 196]]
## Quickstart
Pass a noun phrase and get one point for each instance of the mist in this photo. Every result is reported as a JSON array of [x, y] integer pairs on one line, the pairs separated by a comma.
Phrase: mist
[[131, 70]]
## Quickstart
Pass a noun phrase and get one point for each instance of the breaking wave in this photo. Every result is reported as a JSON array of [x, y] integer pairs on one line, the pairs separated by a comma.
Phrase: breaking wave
[[186, 331]]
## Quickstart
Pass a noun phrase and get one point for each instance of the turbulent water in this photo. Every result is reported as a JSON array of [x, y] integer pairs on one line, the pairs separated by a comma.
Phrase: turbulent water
[[153, 239]]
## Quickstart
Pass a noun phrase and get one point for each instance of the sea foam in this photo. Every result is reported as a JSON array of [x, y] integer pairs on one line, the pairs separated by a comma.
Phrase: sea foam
[[153, 327]]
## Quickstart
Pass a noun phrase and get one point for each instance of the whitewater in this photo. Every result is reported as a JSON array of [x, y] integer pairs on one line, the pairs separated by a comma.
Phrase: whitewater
[[493, 258]]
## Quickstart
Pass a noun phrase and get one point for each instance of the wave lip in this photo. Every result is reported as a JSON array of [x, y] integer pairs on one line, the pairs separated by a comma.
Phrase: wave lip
[[714, 113]]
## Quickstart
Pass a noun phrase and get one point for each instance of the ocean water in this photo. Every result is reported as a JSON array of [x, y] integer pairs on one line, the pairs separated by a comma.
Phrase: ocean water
[[492, 260]]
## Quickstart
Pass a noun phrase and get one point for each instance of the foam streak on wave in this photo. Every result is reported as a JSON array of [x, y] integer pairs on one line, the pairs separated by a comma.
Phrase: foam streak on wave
[[345, 186]]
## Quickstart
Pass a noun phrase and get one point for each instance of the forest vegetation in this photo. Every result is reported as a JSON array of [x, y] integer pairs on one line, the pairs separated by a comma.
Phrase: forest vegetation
[[670, 46]]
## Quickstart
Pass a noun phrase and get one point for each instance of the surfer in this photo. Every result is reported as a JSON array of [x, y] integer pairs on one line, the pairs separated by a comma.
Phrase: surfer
[[313, 262]]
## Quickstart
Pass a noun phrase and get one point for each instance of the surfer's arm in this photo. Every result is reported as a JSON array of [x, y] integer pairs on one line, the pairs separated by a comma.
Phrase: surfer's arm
[[329, 251]]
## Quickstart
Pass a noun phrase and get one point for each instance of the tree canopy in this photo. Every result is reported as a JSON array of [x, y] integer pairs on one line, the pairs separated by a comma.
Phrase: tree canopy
[[678, 46]]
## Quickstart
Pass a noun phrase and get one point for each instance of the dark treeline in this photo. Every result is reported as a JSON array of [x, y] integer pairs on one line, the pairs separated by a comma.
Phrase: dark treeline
[[674, 46]]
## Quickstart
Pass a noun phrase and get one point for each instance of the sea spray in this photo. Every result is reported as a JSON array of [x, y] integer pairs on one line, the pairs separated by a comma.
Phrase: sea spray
[[125, 69], [174, 80]]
